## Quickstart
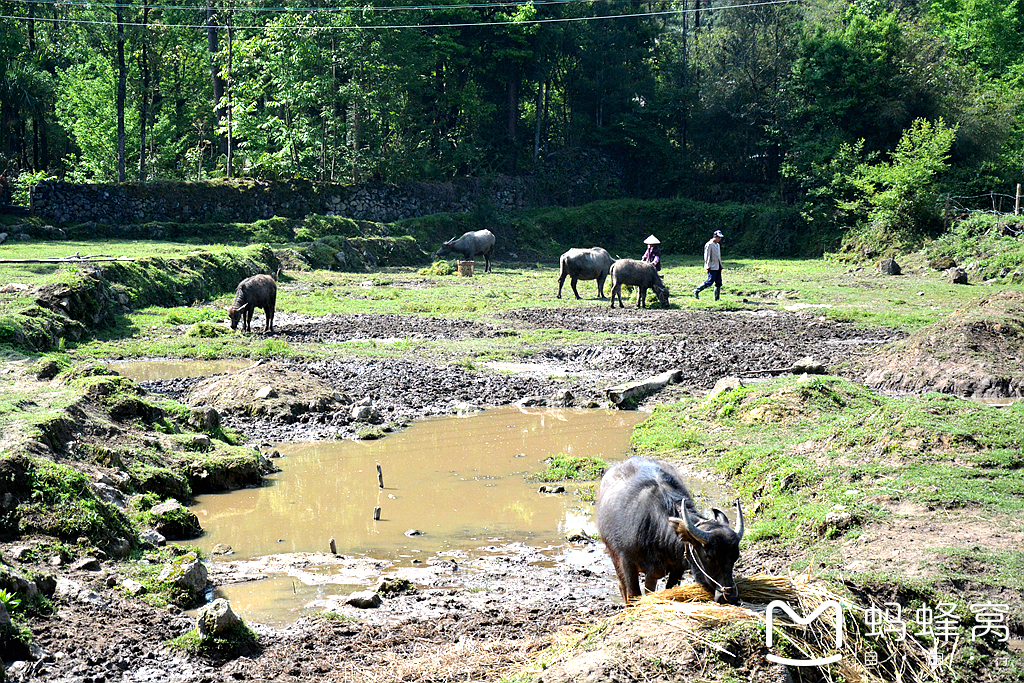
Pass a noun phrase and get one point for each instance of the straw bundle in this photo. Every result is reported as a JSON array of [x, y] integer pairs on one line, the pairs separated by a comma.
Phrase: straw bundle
[[687, 610]]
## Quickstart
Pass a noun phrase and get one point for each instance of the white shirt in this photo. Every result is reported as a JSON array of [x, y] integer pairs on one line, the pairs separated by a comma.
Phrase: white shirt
[[712, 255]]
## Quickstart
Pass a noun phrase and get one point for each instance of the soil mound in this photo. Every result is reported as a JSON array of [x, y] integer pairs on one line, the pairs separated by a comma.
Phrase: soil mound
[[267, 390], [977, 352]]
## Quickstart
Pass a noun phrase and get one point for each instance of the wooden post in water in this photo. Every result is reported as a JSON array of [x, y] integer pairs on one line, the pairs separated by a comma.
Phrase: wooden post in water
[[1016, 203], [376, 514], [334, 548], [380, 476]]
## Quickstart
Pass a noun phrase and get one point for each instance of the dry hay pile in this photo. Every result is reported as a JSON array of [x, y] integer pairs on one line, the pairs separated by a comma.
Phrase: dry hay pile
[[681, 632], [975, 351]]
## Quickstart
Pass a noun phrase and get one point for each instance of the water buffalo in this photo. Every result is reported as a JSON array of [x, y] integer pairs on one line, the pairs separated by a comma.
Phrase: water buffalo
[[584, 264], [258, 291], [640, 274], [649, 523], [469, 245]]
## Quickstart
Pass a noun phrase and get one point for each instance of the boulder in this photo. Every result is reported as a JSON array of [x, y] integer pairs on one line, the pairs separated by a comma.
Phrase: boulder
[[942, 263], [957, 276], [889, 267], [216, 619], [723, 385], [175, 522], [152, 537], [204, 419], [364, 600], [187, 572], [807, 365]]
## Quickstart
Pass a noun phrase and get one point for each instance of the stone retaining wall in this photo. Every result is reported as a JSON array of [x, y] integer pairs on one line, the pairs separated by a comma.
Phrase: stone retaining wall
[[246, 201]]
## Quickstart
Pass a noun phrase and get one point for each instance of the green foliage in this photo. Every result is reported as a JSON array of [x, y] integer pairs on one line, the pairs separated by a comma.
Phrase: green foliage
[[982, 240], [192, 316], [438, 268], [562, 467], [901, 194], [63, 505], [208, 330], [239, 641], [9, 599]]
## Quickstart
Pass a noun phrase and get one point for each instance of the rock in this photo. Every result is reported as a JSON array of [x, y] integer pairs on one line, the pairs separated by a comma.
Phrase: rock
[[201, 441], [90, 564], [265, 392], [562, 398], [889, 267], [187, 572], [1016, 277], [5, 621], [14, 288], [413, 532], [463, 409], [175, 522], [152, 537], [109, 495], [551, 489], [222, 549], [808, 365], [365, 413], [394, 585], [132, 587], [532, 402], [204, 419], [723, 385], [119, 548], [364, 600], [957, 276], [840, 519], [942, 263], [578, 536], [216, 619], [21, 553], [47, 369], [67, 589]]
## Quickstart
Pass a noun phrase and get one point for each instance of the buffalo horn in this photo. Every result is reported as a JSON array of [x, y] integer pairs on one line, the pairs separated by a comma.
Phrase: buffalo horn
[[739, 519], [696, 534]]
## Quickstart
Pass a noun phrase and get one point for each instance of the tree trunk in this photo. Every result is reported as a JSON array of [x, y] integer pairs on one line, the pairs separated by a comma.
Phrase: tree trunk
[[122, 86], [144, 99], [215, 78]]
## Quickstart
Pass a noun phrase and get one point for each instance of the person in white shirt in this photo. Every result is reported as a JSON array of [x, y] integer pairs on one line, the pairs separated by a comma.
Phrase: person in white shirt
[[713, 264]]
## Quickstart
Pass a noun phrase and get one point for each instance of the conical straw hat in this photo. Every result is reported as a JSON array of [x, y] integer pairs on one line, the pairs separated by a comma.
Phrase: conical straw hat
[[652, 240]]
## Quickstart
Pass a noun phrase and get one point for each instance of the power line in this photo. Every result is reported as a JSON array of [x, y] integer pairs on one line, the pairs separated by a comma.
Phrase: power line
[[313, 10], [357, 27]]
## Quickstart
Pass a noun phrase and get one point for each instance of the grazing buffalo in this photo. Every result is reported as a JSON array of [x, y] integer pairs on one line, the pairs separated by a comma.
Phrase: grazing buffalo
[[649, 523], [258, 291], [584, 264], [640, 274], [469, 245]]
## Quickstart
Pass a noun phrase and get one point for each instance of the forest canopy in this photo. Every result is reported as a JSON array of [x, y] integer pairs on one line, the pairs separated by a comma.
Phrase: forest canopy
[[792, 101]]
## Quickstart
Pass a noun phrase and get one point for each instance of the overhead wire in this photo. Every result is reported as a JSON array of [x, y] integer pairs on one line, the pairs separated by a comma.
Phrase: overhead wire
[[379, 27]]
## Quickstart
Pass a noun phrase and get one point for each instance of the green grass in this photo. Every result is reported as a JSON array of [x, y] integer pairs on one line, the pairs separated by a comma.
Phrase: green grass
[[562, 467], [804, 449]]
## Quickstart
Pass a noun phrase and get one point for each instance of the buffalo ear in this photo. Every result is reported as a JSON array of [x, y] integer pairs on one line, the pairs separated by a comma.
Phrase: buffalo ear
[[687, 530], [720, 516]]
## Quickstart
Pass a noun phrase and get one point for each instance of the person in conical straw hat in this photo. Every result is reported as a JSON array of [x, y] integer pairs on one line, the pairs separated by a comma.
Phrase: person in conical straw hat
[[653, 253]]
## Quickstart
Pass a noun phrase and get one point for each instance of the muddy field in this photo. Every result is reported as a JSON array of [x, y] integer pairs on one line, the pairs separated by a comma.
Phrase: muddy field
[[466, 618], [703, 347]]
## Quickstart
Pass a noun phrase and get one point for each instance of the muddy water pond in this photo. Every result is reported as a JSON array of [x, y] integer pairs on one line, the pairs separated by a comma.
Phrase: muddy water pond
[[148, 370], [453, 483]]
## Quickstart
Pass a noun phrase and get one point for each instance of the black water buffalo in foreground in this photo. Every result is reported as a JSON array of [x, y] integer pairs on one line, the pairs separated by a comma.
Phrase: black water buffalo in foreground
[[584, 264], [649, 523], [640, 274], [258, 291], [469, 245]]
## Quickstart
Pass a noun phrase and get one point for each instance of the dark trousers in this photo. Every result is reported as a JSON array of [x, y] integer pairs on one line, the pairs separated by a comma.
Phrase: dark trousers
[[714, 277]]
